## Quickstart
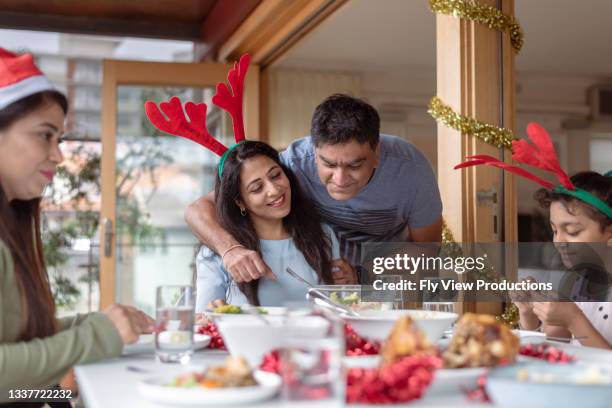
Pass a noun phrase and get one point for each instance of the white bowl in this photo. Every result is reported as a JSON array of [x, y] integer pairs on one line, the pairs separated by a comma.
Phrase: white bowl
[[377, 324], [270, 311], [249, 337]]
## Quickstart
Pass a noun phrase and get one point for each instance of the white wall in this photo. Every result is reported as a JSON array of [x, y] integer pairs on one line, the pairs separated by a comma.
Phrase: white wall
[[558, 102]]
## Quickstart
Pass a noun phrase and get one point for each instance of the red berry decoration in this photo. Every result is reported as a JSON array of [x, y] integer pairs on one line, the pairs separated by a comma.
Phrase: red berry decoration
[[216, 341], [271, 362], [479, 394], [357, 345], [547, 352], [402, 381]]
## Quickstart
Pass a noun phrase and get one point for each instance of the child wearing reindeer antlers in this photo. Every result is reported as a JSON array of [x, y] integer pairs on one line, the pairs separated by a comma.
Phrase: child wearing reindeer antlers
[[259, 201], [580, 212]]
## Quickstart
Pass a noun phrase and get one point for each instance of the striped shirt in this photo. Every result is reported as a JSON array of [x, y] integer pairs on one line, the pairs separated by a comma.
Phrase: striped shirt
[[402, 194]]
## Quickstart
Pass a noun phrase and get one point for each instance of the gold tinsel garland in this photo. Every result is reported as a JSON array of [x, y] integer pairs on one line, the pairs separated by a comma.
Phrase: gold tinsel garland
[[499, 137], [493, 135], [510, 315], [482, 14]]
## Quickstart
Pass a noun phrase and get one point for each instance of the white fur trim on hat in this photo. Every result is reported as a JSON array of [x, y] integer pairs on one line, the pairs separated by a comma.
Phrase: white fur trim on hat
[[21, 89]]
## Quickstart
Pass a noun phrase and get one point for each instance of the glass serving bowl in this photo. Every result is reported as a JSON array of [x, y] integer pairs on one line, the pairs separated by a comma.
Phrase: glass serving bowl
[[362, 297]]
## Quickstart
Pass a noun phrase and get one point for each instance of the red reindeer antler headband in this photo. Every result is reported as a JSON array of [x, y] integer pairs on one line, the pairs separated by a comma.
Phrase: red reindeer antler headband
[[229, 99], [543, 156]]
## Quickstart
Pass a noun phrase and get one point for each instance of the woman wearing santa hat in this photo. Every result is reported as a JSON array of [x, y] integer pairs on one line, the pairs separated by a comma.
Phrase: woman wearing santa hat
[[36, 349]]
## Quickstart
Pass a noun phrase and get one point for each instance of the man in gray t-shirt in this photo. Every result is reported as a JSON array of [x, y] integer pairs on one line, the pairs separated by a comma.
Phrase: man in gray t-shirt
[[401, 193], [366, 186]]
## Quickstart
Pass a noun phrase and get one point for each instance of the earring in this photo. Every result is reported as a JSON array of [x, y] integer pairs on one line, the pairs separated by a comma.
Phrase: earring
[[243, 212]]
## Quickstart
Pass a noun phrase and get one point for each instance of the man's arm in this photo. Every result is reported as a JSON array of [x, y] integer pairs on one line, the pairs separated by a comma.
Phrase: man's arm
[[242, 264], [429, 233], [202, 220]]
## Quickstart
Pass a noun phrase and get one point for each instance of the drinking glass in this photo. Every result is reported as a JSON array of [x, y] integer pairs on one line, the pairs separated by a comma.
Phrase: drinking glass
[[174, 324], [439, 306], [311, 361]]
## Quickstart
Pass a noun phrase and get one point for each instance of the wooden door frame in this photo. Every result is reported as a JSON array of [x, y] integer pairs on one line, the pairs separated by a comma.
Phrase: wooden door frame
[[475, 76], [116, 73]]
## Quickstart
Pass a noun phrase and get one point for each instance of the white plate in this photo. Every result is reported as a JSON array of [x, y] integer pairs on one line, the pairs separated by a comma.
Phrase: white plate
[[146, 344], [272, 311], [450, 380], [154, 389], [367, 361]]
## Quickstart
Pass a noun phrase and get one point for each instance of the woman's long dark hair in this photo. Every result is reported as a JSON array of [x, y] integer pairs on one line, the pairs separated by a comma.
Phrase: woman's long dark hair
[[302, 223], [20, 231]]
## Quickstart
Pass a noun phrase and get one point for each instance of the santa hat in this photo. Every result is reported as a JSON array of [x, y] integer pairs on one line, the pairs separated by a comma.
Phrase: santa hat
[[19, 77]]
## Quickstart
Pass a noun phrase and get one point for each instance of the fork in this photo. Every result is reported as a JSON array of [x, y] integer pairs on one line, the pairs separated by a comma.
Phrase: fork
[[314, 293]]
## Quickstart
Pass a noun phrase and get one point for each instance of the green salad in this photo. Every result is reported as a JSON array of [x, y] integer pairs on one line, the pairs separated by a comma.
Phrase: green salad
[[233, 309], [348, 300]]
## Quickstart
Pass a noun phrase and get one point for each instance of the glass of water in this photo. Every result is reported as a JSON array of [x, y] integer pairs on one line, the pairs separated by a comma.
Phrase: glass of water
[[174, 324], [439, 306], [311, 361]]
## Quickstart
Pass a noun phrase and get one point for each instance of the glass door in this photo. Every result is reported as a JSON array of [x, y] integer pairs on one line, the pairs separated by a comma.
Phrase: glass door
[[149, 178]]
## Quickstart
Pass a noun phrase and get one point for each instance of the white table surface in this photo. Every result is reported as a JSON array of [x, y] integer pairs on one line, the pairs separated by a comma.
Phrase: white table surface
[[111, 384]]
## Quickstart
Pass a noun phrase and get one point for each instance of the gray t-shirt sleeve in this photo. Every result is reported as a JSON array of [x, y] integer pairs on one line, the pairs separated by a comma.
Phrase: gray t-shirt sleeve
[[425, 207], [212, 280]]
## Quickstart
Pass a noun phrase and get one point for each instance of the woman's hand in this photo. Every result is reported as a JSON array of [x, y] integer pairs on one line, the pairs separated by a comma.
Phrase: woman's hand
[[68, 382], [215, 303], [245, 265], [200, 318], [129, 322], [343, 272]]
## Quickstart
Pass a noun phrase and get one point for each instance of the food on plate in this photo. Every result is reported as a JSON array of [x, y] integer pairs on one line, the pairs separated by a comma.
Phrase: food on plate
[[480, 341], [233, 309], [234, 372], [405, 339]]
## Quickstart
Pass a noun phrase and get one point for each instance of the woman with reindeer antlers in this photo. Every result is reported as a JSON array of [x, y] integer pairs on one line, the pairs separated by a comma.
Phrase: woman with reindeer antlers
[[258, 200], [581, 221]]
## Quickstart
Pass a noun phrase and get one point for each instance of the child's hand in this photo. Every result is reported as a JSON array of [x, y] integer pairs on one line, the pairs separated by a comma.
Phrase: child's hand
[[522, 298], [555, 313]]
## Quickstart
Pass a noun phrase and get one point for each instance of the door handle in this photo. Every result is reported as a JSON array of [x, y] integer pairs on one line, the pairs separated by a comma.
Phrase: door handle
[[108, 237], [489, 197]]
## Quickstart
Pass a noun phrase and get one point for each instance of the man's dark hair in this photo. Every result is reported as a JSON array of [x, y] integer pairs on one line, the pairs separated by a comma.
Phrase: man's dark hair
[[341, 118]]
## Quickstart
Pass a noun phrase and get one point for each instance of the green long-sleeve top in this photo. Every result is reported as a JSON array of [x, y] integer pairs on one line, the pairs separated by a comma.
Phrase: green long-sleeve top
[[40, 363]]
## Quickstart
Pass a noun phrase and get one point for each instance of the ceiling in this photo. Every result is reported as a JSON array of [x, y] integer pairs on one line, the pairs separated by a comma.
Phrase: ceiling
[[191, 20], [561, 36]]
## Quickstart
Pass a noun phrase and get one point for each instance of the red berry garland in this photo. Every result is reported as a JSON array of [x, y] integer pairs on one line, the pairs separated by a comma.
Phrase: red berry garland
[[216, 341], [357, 345], [547, 352], [402, 381]]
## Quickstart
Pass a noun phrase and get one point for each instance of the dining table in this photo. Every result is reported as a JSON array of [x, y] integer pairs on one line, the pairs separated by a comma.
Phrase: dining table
[[114, 383]]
